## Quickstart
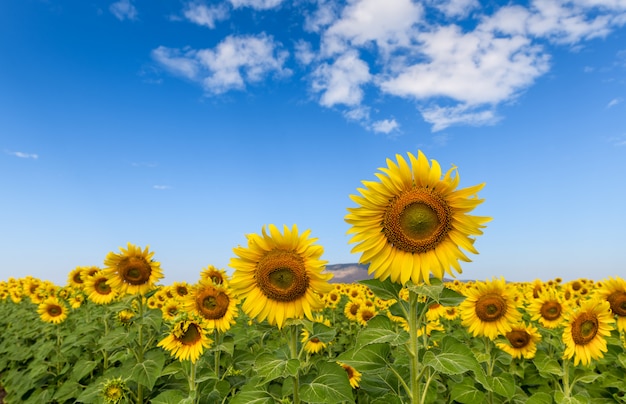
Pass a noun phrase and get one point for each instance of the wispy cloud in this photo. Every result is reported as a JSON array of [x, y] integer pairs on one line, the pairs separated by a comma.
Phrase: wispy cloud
[[235, 61], [22, 155], [204, 15], [161, 187], [614, 102], [123, 9], [385, 126], [256, 4]]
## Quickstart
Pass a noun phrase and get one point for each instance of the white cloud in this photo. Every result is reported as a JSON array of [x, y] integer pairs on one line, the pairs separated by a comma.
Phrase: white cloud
[[304, 53], [341, 81], [161, 187], [201, 14], [455, 8], [123, 9], [322, 17], [22, 155], [235, 61], [256, 4], [385, 126], [474, 67], [443, 117], [388, 24], [614, 102]]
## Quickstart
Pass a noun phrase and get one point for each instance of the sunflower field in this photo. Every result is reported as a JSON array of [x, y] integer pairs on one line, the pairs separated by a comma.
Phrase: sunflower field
[[277, 330]]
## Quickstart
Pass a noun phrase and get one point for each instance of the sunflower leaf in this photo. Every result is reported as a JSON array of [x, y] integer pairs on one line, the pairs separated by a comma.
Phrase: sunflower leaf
[[380, 330], [373, 357], [432, 291], [168, 396], [539, 398], [330, 386], [466, 393], [269, 367], [383, 289], [504, 385], [450, 298], [147, 372]]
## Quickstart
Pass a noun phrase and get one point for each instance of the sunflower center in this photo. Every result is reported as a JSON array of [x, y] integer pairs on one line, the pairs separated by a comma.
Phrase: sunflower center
[[281, 275], [213, 303], [102, 287], [182, 291], [366, 315], [135, 270], [584, 328], [76, 278], [315, 340], [551, 310], [417, 220], [518, 338], [491, 307], [617, 301], [191, 335], [54, 310]]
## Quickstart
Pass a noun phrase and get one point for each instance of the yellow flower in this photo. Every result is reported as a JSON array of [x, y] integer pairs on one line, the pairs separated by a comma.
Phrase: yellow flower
[[76, 300], [280, 275], [52, 311], [352, 308], [548, 309], [74, 278], [354, 376], [186, 341], [585, 331], [114, 390], [311, 345], [217, 276], [215, 303], [364, 314], [413, 222], [489, 309], [125, 317], [170, 310], [133, 271], [613, 290], [521, 341], [98, 289], [180, 290]]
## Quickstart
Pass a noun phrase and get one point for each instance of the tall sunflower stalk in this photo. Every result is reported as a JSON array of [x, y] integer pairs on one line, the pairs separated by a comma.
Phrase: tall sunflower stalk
[[410, 224]]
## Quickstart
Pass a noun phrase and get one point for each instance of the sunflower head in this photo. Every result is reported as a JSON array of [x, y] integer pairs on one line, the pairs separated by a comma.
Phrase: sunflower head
[[132, 271], [414, 222], [354, 376], [187, 340], [214, 303], [280, 275], [114, 390], [52, 310], [586, 330], [521, 341], [217, 276], [613, 290]]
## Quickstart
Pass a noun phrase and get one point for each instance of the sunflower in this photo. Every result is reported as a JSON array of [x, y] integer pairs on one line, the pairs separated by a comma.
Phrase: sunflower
[[585, 331], [354, 376], [170, 310], [98, 289], [217, 276], [413, 222], [311, 345], [215, 303], [548, 309], [179, 289], [76, 300], [52, 311], [114, 391], [187, 340], [521, 341], [125, 317], [352, 308], [133, 271], [75, 279], [613, 290], [280, 275], [489, 309], [364, 314]]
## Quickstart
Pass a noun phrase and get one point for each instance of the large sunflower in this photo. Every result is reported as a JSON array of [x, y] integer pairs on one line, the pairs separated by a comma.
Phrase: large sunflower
[[98, 289], [549, 309], [186, 341], [521, 341], [215, 303], [586, 329], [280, 275], [52, 311], [413, 222], [133, 271], [613, 290], [489, 309]]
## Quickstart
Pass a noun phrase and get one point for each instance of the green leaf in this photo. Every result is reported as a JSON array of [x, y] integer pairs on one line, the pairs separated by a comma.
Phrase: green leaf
[[269, 367], [147, 372], [386, 289], [82, 368], [252, 393], [372, 357], [547, 365], [68, 390], [466, 394], [168, 397], [447, 363], [330, 386], [540, 398], [322, 332], [380, 330], [432, 291], [400, 309], [504, 385], [450, 297]]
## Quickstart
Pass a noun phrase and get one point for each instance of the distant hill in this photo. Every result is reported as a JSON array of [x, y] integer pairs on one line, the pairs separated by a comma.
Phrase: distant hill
[[348, 273]]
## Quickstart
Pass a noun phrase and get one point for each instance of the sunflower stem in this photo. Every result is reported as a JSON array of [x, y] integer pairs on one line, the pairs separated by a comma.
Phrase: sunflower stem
[[217, 353], [192, 381], [140, 345], [293, 348], [414, 394], [567, 389]]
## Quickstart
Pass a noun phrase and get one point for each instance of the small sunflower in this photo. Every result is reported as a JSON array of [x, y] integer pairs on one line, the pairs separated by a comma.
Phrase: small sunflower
[[549, 309], [413, 222], [170, 310], [217, 276], [521, 341], [354, 376], [186, 341], [98, 289], [114, 391], [489, 309], [311, 345], [133, 271], [613, 290], [352, 308], [52, 310], [74, 278], [180, 290], [280, 275], [364, 314], [76, 300], [125, 317], [586, 330], [215, 303]]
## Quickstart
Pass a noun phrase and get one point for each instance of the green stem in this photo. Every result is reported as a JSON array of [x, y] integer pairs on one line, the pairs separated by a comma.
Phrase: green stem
[[567, 388], [140, 346], [293, 348], [217, 353], [192, 381], [490, 365], [414, 394]]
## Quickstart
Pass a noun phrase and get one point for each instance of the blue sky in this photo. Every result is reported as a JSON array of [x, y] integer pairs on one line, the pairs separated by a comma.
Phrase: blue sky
[[184, 125]]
